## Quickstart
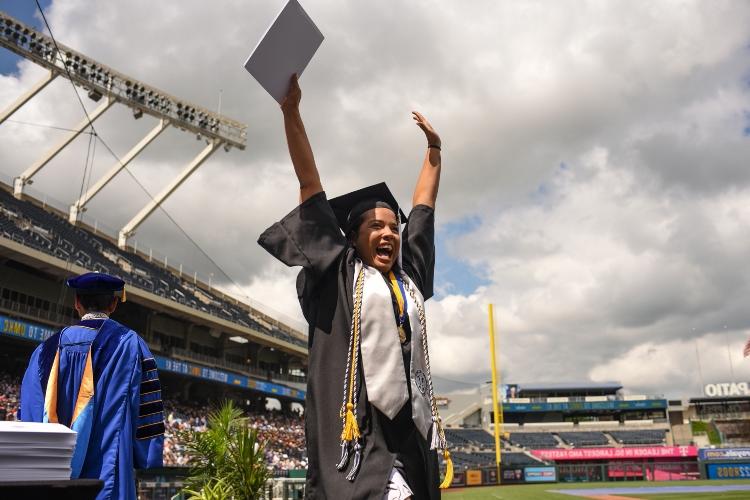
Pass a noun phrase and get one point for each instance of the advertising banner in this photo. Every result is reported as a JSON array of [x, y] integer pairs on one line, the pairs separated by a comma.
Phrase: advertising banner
[[727, 389], [646, 404], [616, 453], [724, 454], [508, 392], [512, 475], [473, 477], [539, 475], [728, 471], [187, 368], [459, 479], [18, 328]]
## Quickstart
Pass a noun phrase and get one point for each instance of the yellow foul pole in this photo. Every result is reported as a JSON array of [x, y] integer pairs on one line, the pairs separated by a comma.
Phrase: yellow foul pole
[[495, 408]]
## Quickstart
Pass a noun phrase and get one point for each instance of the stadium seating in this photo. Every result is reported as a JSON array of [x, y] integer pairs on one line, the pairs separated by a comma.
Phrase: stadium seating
[[463, 460], [32, 226], [655, 436], [736, 431], [581, 439], [470, 437], [533, 440]]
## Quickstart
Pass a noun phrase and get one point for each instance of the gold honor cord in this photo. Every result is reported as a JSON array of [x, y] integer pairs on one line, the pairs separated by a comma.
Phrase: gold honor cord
[[350, 432]]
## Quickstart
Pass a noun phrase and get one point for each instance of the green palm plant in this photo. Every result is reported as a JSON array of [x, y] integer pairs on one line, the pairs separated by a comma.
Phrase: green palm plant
[[226, 460]]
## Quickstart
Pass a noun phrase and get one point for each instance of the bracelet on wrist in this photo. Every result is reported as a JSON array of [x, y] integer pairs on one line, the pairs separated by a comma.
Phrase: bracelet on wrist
[[434, 146]]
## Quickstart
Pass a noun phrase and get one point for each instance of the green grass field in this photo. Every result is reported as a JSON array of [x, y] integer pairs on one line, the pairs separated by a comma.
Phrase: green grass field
[[541, 491]]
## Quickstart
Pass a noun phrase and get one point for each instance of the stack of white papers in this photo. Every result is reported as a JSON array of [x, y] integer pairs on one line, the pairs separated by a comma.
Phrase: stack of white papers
[[35, 452], [286, 48]]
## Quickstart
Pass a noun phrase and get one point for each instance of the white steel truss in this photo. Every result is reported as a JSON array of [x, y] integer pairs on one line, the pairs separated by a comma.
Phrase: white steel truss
[[129, 229], [101, 81]]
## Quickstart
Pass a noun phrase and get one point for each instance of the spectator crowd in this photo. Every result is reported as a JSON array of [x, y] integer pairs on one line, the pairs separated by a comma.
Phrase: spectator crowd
[[10, 391], [282, 435]]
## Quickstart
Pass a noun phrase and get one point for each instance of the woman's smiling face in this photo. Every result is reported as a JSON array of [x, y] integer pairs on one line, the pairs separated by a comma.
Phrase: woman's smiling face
[[377, 239]]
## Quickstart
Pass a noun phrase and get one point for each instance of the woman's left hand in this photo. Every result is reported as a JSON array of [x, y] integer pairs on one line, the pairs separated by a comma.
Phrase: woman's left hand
[[433, 139]]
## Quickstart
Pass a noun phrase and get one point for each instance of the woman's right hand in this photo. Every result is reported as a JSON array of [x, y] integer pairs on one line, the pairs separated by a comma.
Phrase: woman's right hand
[[293, 97]]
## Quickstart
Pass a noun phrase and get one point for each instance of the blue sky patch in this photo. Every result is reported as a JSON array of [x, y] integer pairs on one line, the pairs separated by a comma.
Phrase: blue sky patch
[[26, 12], [454, 275]]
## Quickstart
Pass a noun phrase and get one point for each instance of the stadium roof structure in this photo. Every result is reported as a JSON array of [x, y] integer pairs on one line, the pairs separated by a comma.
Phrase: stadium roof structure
[[110, 86], [569, 386]]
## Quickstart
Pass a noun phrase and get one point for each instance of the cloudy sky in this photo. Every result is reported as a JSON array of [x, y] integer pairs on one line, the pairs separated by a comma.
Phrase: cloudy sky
[[596, 183]]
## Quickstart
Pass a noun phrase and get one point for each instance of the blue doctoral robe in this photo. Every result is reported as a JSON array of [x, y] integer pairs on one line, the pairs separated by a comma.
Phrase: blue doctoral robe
[[99, 379]]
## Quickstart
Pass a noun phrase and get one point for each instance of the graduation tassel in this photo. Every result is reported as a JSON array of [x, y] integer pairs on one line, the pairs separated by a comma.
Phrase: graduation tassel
[[355, 465], [344, 456], [448, 479], [351, 429], [349, 434]]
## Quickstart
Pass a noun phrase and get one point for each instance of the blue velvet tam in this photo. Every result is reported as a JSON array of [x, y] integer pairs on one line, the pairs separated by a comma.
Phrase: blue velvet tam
[[97, 284]]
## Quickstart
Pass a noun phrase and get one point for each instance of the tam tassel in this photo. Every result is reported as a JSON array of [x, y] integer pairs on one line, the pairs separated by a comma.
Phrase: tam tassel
[[351, 429], [357, 460], [344, 456], [448, 479]]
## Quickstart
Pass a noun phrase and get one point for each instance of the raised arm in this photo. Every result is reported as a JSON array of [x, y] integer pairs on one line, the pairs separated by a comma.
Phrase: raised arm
[[299, 147], [429, 177]]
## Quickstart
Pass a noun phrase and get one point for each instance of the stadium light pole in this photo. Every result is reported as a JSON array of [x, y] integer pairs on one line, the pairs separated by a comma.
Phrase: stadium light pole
[[498, 417]]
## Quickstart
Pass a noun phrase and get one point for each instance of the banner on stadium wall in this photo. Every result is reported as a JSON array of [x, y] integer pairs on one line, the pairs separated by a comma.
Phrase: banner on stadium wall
[[29, 331], [512, 475], [724, 454], [726, 389], [646, 404], [616, 453], [728, 471], [473, 478], [539, 475], [186, 368]]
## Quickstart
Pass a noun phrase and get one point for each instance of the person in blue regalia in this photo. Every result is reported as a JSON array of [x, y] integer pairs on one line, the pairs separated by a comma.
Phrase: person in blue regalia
[[99, 378]]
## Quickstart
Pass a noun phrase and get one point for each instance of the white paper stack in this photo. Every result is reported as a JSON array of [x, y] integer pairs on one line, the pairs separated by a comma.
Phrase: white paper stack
[[286, 48], [35, 452]]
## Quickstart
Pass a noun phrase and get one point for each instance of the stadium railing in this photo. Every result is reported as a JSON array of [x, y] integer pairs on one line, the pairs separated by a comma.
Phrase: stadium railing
[[179, 353]]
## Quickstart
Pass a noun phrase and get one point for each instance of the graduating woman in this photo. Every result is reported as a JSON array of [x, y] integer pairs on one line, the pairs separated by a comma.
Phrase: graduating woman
[[371, 421]]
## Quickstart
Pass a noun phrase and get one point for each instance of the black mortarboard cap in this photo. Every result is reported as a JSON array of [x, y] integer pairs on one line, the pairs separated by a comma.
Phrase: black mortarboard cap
[[349, 207]]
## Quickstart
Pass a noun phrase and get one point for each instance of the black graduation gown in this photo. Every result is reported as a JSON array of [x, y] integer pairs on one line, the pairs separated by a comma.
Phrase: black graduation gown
[[309, 236]]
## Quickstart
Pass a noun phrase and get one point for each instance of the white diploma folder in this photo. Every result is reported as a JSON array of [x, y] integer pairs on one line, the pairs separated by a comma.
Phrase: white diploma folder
[[286, 48]]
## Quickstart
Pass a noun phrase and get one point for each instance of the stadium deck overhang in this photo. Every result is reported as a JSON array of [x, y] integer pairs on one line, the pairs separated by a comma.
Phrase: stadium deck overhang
[[719, 400], [572, 387], [61, 269]]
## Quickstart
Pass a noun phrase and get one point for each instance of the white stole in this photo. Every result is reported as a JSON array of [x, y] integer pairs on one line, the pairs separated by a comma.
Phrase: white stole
[[382, 358]]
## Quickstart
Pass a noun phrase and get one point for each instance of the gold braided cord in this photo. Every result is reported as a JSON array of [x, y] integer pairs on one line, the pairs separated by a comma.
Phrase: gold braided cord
[[355, 334], [348, 413]]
